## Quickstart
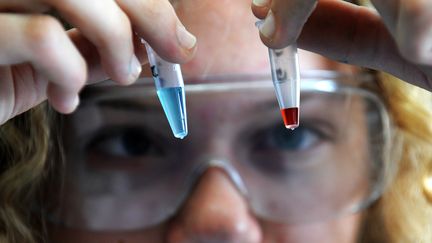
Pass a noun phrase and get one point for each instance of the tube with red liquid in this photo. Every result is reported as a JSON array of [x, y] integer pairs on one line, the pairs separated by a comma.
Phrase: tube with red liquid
[[286, 81]]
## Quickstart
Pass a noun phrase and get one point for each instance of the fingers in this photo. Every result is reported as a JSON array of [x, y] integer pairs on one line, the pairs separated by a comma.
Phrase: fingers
[[260, 8], [109, 29], [96, 72], [156, 22], [107, 25], [41, 40], [410, 22], [103, 37], [356, 35], [283, 21]]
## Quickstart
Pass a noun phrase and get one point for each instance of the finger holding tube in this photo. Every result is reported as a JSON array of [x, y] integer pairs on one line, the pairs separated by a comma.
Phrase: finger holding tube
[[33, 47], [260, 8], [157, 23], [109, 29], [108, 26], [96, 72], [283, 21]]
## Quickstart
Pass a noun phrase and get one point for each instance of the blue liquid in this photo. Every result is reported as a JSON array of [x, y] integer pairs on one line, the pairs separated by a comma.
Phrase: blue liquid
[[174, 105]]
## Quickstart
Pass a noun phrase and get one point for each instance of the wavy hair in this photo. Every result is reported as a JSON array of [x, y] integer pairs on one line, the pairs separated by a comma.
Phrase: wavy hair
[[404, 213], [24, 142]]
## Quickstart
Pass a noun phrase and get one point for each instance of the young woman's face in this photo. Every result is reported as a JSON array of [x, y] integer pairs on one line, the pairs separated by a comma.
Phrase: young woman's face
[[128, 180]]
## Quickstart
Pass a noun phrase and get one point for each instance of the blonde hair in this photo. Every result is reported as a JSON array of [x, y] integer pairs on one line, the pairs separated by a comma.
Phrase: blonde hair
[[23, 151], [404, 213]]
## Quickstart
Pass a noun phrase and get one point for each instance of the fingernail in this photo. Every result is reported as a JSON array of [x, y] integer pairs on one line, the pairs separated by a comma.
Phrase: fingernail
[[72, 104], [261, 3], [268, 28], [185, 38], [135, 69]]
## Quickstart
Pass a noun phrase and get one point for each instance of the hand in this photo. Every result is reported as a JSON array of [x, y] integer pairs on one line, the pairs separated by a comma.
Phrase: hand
[[398, 40], [39, 59]]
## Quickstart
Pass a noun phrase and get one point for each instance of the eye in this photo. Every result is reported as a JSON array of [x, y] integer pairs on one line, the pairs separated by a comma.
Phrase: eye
[[278, 137], [124, 142], [280, 151]]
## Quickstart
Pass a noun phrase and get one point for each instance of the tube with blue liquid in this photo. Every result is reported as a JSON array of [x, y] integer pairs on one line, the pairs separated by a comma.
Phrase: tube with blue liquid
[[170, 90]]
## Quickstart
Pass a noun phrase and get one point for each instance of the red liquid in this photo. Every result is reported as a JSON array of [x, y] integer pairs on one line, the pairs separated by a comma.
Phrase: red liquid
[[290, 117]]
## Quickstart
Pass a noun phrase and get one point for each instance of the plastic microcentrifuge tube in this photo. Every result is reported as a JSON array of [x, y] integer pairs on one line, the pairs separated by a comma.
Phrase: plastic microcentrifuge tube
[[286, 81], [170, 90]]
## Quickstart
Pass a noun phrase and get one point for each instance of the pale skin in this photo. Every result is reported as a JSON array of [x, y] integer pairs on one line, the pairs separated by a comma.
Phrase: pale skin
[[215, 211]]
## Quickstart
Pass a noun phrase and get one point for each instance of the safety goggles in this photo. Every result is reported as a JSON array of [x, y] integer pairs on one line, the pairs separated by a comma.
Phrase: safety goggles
[[125, 170]]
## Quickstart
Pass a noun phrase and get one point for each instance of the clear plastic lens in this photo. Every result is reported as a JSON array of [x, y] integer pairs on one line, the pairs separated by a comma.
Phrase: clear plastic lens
[[131, 173]]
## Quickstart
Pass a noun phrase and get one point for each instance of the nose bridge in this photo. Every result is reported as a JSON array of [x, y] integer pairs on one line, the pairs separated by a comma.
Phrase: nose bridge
[[215, 147], [215, 211], [228, 169]]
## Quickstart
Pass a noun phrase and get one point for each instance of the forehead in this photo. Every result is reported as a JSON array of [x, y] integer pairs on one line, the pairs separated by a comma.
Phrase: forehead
[[229, 42]]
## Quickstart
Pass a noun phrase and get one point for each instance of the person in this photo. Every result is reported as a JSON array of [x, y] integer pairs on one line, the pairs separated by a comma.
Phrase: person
[[239, 176], [203, 216]]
